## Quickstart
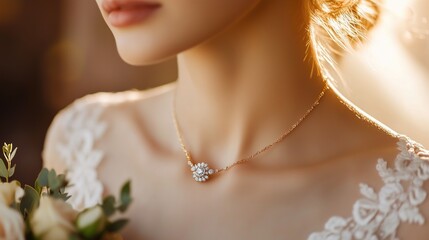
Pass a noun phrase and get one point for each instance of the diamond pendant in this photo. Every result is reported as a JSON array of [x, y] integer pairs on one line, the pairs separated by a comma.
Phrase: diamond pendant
[[201, 172]]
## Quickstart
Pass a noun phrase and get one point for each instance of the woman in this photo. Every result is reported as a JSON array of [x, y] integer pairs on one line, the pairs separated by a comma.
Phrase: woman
[[243, 95]]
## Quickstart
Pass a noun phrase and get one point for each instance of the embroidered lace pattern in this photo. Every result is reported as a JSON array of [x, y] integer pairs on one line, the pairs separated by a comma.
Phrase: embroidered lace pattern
[[377, 216], [82, 128]]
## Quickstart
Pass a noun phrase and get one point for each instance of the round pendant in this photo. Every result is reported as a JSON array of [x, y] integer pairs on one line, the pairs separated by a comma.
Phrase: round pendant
[[201, 172]]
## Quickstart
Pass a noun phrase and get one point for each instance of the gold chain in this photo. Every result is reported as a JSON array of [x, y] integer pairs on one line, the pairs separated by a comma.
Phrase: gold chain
[[243, 160]]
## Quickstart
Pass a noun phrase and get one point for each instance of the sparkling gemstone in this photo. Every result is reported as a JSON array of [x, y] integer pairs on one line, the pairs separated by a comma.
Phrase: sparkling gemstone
[[200, 171]]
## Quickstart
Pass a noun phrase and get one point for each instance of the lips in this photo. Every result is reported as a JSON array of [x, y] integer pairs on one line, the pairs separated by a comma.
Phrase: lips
[[122, 13]]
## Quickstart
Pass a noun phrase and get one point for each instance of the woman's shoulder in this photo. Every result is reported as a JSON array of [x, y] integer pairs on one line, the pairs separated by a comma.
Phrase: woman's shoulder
[[90, 114], [77, 137]]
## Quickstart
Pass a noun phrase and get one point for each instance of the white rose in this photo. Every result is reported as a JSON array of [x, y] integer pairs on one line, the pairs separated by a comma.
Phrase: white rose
[[10, 192], [53, 220], [11, 223]]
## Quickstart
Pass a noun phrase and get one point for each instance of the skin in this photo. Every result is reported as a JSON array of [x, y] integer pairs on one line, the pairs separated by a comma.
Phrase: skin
[[242, 81]]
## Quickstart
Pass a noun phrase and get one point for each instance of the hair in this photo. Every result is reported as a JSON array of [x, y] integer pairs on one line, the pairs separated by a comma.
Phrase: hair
[[338, 26]]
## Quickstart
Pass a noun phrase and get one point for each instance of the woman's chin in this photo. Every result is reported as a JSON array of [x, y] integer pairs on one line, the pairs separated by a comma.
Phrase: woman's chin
[[141, 57]]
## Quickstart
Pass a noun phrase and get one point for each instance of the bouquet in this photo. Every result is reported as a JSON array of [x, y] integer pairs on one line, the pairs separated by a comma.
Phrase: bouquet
[[42, 212]]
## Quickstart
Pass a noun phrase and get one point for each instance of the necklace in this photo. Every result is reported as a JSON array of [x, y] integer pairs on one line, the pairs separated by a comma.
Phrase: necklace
[[201, 171]]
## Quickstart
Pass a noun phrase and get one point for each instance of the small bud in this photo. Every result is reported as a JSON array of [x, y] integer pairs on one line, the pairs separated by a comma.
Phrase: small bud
[[91, 222]]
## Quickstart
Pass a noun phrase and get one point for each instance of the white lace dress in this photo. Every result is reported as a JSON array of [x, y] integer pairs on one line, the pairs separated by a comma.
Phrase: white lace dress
[[376, 215]]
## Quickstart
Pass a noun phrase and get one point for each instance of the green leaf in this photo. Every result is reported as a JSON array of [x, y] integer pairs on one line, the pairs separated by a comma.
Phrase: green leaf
[[125, 196], [30, 201], [53, 182], [42, 178], [109, 205], [12, 155], [38, 188], [117, 225], [3, 169], [60, 194], [12, 171]]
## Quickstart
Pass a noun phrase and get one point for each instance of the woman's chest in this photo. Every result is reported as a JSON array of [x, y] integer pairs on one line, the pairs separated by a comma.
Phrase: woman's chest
[[169, 204], [241, 203]]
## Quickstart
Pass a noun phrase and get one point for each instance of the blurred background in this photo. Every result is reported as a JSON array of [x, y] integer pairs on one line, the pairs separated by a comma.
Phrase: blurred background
[[54, 51]]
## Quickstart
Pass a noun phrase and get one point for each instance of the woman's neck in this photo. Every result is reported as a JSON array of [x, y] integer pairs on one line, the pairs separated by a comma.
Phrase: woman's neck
[[243, 88]]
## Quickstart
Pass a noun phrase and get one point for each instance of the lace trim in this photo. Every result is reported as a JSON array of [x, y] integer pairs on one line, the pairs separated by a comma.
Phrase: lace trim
[[82, 128], [377, 216]]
